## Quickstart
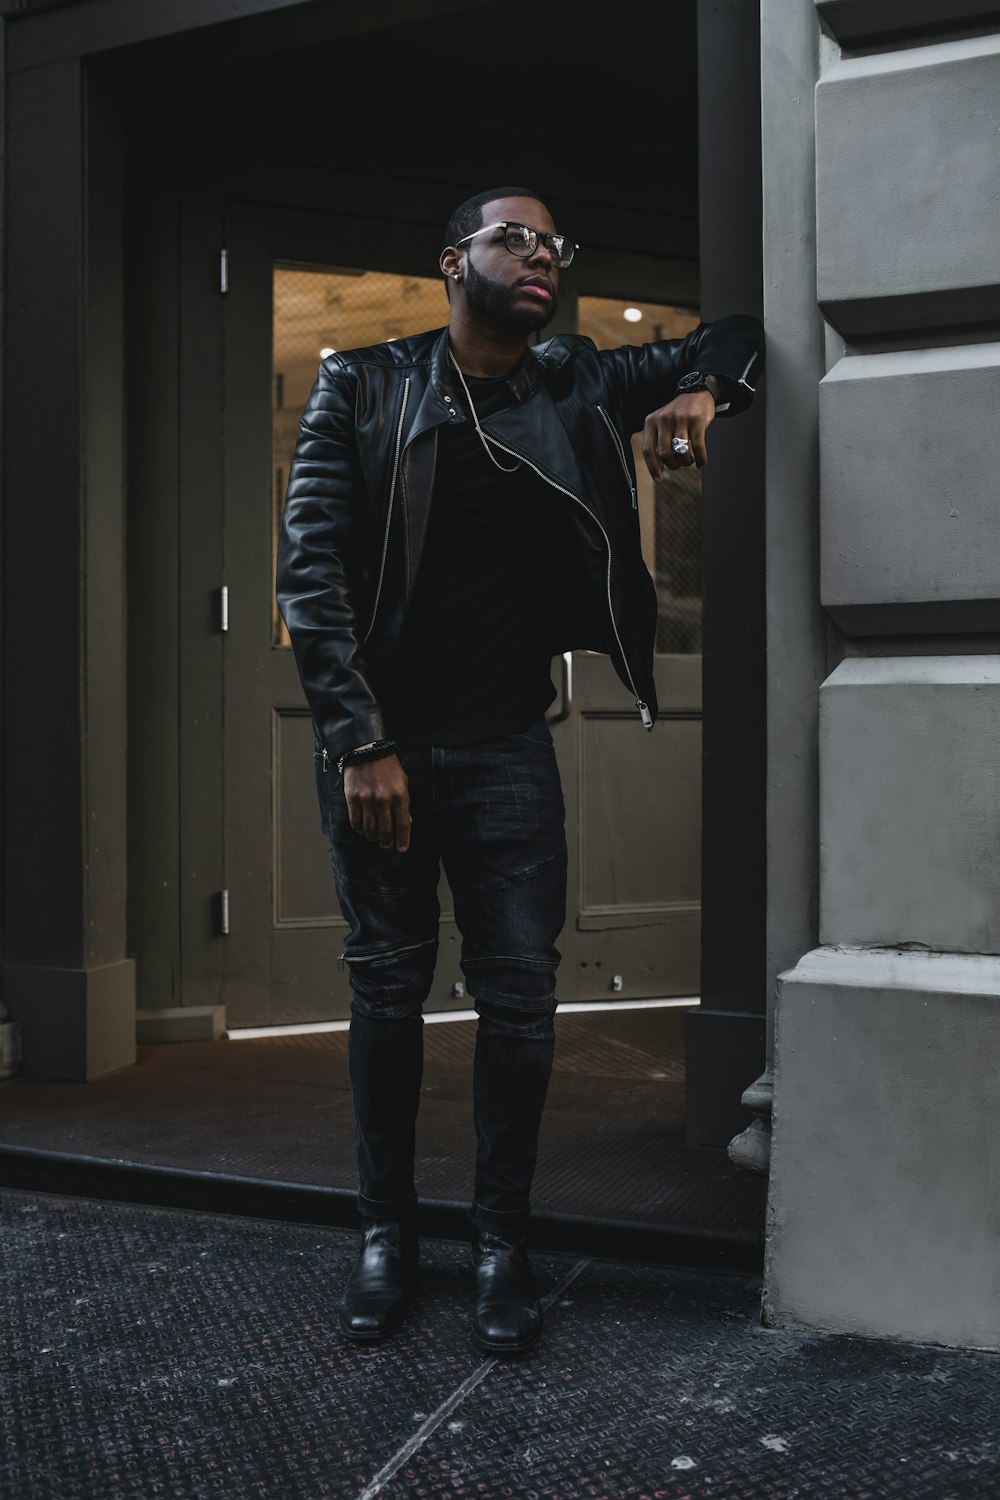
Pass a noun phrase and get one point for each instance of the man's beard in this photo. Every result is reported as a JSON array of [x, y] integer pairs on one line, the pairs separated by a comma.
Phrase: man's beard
[[491, 304]]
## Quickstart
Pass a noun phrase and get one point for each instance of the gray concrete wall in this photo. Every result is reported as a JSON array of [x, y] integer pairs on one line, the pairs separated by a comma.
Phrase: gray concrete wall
[[907, 189], [796, 630], [883, 1202], [910, 803], [910, 517], [886, 1213], [857, 20]]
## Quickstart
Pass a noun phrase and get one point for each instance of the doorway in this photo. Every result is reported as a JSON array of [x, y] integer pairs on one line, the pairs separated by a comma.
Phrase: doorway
[[223, 912], [260, 111], [307, 286]]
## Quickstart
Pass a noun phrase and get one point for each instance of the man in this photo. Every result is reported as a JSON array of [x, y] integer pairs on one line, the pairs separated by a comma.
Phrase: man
[[462, 507]]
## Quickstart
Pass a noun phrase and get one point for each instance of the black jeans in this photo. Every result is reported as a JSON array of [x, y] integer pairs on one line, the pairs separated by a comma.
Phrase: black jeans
[[493, 814]]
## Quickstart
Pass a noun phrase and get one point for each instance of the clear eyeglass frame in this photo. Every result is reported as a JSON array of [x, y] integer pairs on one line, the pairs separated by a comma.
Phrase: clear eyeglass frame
[[522, 240]]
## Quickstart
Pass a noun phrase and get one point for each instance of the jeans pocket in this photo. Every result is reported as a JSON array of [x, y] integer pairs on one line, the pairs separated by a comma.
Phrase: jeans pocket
[[537, 734]]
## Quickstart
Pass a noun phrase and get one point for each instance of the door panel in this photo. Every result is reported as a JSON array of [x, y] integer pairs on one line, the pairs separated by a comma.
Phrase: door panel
[[633, 804], [623, 837], [285, 929], [632, 799], [301, 858]]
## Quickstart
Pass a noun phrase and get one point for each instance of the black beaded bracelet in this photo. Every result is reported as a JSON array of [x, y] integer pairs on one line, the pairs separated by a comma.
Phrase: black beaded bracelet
[[377, 750]]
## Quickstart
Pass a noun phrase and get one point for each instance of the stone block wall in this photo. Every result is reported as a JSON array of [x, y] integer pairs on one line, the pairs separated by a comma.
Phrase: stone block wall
[[884, 1202]]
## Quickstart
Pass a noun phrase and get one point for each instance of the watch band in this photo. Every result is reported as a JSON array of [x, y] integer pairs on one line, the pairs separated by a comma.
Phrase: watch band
[[696, 381], [719, 405]]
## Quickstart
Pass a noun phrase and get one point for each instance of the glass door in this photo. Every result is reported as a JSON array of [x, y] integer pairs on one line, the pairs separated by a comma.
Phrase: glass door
[[634, 829], [633, 799]]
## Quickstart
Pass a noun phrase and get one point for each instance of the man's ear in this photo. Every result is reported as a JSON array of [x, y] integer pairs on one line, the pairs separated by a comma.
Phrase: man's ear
[[451, 262]]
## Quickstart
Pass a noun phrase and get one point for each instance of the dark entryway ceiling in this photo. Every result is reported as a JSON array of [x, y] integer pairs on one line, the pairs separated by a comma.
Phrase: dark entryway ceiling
[[599, 116]]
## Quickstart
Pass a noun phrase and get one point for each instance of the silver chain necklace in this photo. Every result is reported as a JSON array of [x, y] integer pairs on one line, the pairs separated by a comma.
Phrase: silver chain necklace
[[475, 418]]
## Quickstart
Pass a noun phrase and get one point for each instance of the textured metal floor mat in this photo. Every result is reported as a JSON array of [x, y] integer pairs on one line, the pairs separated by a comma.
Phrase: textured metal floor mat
[[612, 1144]]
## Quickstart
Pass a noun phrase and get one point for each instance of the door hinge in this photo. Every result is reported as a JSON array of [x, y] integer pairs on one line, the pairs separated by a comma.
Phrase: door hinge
[[224, 607], [224, 272], [224, 913]]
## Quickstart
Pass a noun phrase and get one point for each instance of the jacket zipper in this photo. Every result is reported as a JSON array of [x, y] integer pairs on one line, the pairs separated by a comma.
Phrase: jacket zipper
[[743, 378], [388, 518], [647, 717], [621, 453]]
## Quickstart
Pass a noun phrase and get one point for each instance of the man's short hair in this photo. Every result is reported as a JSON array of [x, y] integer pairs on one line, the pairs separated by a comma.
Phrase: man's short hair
[[468, 216]]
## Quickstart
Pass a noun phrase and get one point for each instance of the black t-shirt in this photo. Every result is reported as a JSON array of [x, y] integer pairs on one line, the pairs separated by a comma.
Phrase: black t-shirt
[[476, 650]]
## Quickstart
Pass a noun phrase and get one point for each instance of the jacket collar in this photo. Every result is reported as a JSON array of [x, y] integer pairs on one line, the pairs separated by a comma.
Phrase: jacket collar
[[524, 380], [438, 398], [443, 393]]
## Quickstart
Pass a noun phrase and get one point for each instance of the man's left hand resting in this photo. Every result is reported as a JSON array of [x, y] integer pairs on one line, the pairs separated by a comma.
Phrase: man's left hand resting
[[687, 416]]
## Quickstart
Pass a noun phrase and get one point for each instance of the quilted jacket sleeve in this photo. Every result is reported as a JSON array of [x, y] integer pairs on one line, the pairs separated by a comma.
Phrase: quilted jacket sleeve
[[644, 377], [319, 564]]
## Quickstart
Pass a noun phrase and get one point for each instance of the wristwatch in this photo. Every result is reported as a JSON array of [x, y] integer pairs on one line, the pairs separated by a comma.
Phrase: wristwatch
[[696, 381]]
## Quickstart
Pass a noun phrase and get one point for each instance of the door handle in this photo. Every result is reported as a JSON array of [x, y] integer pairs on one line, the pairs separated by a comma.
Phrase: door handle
[[567, 690]]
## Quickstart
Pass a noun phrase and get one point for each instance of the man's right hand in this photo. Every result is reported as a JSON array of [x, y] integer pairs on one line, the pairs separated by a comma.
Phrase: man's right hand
[[378, 801]]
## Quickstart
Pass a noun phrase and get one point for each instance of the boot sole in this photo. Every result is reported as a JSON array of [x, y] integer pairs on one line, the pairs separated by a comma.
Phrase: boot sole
[[488, 1347], [380, 1337]]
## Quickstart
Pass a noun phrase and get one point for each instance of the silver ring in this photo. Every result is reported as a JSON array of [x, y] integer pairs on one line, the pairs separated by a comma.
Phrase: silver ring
[[680, 445]]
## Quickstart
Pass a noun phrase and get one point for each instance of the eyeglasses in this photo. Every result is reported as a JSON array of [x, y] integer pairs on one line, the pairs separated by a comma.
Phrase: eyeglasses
[[522, 240]]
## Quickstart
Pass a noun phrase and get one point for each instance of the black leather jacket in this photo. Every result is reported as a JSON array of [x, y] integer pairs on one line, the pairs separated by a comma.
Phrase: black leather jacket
[[360, 485]]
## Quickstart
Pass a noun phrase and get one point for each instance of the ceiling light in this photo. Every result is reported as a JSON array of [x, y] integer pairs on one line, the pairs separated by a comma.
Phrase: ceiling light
[[632, 315]]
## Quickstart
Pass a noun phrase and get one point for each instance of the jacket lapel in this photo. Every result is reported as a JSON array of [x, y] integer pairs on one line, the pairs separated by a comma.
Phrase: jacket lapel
[[535, 428], [431, 408]]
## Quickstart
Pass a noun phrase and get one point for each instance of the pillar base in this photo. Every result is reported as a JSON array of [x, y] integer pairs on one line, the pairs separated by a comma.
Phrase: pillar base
[[882, 1207], [751, 1149], [77, 1024]]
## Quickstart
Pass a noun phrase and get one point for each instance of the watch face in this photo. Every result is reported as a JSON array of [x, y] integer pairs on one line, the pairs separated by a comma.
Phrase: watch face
[[694, 378]]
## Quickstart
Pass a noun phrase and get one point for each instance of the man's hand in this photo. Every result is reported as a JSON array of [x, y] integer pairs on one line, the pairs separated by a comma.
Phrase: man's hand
[[685, 416], [378, 801]]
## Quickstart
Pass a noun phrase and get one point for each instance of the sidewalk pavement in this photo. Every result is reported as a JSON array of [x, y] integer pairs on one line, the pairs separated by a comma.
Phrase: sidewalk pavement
[[162, 1353]]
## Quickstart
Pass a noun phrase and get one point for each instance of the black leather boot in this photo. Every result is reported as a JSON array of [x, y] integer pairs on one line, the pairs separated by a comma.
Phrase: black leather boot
[[382, 1284], [507, 1317]]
